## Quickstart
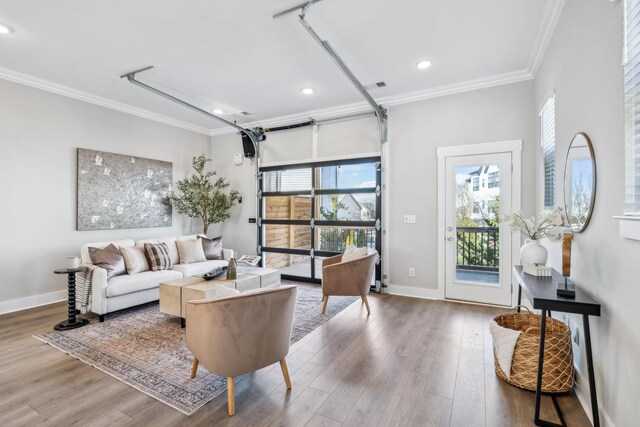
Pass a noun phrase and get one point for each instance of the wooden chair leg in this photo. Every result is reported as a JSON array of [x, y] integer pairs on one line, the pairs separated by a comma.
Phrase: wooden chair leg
[[231, 397], [194, 368], [285, 373], [324, 303], [366, 302]]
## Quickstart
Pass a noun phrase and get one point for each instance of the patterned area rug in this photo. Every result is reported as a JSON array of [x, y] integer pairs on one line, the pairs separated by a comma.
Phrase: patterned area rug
[[146, 349]]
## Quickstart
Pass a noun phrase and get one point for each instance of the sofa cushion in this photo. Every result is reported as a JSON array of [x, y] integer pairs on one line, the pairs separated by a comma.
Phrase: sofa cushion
[[135, 259], [126, 284], [84, 249], [199, 268], [171, 246], [212, 247], [158, 256], [190, 251], [109, 258]]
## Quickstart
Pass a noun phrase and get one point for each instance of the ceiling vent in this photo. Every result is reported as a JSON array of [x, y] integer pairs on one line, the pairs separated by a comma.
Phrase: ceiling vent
[[377, 85]]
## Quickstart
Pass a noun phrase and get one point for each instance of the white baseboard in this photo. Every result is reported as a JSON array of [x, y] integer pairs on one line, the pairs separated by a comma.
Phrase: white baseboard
[[32, 301], [582, 393], [409, 291]]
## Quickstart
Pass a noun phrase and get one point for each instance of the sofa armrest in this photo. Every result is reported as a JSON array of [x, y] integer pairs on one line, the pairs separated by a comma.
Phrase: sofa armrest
[[227, 254], [99, 291]]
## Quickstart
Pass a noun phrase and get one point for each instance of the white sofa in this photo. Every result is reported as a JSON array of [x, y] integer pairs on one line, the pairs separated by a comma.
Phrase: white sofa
[[130, 290]]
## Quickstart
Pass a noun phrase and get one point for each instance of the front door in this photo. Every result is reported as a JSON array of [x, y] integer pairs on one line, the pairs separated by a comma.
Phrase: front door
[[478, 245]]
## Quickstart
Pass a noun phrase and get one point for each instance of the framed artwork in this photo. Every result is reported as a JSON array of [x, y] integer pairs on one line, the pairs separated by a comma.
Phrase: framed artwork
[[117, 191]]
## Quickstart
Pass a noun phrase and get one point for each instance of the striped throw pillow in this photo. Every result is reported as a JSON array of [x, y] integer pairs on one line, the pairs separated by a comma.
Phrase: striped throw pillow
[[158, 256]]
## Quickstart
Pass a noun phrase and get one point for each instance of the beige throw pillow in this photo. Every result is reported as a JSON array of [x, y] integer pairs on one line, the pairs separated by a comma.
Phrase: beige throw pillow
[[190, 251], [354, 252], [135, 259]]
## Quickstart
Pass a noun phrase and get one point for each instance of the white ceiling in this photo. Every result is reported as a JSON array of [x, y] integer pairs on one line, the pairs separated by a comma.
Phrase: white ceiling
[[232, 55]]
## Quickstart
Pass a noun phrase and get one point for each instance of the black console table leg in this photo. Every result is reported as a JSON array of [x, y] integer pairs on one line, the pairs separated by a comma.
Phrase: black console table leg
[[519, 296], [543, 330], [592, 379]]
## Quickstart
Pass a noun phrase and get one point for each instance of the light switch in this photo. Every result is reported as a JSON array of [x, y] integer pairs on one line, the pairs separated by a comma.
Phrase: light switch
[[409, 219]]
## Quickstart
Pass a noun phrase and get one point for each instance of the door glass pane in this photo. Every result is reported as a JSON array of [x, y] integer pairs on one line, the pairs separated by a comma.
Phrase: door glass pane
[[287, 207], [287, 236], [287, 180], [361, 175], [336, 239], [477, 223], [346, 207]]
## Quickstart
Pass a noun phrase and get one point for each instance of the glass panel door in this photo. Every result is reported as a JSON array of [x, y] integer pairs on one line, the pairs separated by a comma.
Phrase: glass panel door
[[313, 211]]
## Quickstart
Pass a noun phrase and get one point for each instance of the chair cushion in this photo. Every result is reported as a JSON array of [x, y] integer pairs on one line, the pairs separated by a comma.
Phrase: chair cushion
[[109, 258], [212, 247], [199, 268], [158, 256], [126, 284], [135, 259]]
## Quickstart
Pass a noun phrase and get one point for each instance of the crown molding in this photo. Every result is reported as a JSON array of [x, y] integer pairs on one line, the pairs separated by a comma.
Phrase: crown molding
[[550, 17], [361, 107], [24, 79]]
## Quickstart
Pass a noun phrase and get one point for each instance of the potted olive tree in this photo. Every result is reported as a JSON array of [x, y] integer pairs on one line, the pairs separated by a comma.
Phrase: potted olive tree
[[203, 196]]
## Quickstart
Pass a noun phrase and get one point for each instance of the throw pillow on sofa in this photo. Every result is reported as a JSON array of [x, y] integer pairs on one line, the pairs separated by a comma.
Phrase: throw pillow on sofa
[[109, 258], [190, 251], [135, 259], [212, 247], [158, 256]]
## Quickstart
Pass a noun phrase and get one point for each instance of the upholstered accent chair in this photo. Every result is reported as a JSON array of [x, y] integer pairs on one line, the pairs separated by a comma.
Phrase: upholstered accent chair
[[348, 278], [239, 334]]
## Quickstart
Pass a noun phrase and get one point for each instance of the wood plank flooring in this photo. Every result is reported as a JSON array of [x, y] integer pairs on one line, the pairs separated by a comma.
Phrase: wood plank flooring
[[411, 362]]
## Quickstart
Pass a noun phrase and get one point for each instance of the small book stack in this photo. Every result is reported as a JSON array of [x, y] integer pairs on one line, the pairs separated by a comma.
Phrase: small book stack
[[537, 270]]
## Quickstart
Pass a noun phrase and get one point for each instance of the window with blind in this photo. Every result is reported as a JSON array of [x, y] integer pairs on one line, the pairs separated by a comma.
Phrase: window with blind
[[548, 143], [632, 107]]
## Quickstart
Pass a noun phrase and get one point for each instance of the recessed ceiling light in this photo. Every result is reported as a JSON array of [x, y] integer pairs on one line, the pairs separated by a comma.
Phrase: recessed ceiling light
[[423, 65], [218, 111], [4, 29], [308, 91]]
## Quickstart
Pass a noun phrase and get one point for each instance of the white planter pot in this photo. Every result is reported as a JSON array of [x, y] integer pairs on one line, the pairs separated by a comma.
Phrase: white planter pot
[[533, 253]]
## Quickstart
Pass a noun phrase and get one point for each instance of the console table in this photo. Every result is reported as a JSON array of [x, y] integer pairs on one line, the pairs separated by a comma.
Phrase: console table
[[72, 322], [541, 292]]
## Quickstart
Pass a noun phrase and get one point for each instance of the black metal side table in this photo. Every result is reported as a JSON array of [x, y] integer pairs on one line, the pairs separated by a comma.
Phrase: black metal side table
[[72, 322]]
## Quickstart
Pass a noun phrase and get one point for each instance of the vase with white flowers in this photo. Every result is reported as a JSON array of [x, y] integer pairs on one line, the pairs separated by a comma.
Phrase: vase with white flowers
[[544, 225]]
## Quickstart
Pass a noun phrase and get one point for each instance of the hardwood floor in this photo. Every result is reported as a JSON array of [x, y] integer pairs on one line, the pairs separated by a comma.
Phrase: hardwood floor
[[410, 363]]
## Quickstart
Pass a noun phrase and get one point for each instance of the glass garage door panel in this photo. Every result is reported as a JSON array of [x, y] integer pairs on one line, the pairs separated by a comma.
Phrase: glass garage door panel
[[361, 175], [337, 239], [287, 207], [287, 236], [287, 180], [346, 207]]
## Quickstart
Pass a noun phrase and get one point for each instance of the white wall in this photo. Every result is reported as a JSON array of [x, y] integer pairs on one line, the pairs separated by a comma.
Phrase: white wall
[[39, 134], [583, 66], [489, 115], [416, 130]]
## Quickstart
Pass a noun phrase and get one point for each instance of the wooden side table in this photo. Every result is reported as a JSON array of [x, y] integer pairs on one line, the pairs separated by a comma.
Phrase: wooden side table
[[72, 322]]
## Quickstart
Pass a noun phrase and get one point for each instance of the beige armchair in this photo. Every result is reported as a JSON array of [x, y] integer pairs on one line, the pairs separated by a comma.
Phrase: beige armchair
[[240, 334], [349, 278]]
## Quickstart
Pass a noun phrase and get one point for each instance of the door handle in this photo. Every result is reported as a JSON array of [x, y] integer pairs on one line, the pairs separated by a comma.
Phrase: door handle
[[449, 228], [450, 238]]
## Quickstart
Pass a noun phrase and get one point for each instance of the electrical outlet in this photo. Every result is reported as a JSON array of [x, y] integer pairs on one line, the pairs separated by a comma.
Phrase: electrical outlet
[[409, 219], [412, 272]]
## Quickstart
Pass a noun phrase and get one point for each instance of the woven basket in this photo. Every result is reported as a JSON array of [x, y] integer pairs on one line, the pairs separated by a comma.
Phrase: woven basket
[[557, 371]]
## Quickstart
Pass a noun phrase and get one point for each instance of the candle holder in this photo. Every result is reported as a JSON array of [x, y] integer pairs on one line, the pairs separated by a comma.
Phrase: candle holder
[[566, 288]]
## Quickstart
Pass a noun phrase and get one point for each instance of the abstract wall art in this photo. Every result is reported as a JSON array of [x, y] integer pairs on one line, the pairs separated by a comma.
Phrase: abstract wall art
[[117, 191]]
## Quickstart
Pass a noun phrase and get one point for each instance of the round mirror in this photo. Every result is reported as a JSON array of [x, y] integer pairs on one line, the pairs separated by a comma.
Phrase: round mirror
[[579, 182]]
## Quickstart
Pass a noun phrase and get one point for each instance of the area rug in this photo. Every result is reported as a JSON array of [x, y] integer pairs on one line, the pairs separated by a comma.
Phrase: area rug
[[146, 349]]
